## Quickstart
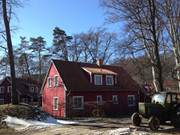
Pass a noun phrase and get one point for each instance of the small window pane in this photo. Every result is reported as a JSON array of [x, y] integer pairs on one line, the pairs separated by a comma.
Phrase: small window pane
[[115, 99], [49, 82], [9, 89], [131, 100], [56, 81], [98, 79], [99, 100], [32, 89], [55, 104], [109, 80], [78, 102]]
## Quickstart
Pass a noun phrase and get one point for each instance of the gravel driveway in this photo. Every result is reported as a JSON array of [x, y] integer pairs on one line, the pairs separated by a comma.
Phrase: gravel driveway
[[105, 126]]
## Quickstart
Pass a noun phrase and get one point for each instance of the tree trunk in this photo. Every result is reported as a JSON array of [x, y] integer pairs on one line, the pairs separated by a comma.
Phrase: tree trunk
[[40, 66], [27, 66], [14, 96], [157, 62]]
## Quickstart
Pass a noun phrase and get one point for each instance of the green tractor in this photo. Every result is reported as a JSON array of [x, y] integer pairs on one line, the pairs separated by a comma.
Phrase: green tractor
[[165, 106]]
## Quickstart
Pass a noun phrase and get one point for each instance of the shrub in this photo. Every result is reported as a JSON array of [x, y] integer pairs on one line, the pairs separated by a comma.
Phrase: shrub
[[19, 111]]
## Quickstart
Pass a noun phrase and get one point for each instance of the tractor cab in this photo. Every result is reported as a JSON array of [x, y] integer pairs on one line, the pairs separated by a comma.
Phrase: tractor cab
[[166, 98]]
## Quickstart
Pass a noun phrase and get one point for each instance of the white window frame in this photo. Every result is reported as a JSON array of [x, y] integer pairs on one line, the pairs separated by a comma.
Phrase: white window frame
[[54, 106], [36, 89], [32, 89], [9, 89], [116, 101], [112, 77], [56, 83], [2, 90], [95, 79], [134, 100], [82, 99], [49, 83], [99, 102]]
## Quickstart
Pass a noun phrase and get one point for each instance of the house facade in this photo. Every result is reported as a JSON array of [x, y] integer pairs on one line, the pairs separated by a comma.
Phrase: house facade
[[28, 91], [83, 89]]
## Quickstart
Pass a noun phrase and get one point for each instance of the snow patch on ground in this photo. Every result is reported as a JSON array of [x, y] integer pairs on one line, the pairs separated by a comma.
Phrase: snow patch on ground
[[22, 124], [120, 131]]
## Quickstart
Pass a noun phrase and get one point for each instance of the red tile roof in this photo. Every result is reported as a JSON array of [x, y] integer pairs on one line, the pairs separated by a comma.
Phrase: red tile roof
[[75, 78]]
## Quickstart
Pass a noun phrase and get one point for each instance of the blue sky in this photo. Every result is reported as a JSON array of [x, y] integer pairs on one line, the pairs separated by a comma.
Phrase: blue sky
[[39, 17]]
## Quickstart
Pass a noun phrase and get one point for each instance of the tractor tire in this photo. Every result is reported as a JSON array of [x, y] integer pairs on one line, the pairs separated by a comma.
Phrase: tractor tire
[[176, 121], [154, 123], [136, 119]]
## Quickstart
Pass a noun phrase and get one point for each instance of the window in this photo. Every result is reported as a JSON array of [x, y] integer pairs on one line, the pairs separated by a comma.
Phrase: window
[[49, 82], [55, 81], [78, 102], [99, 100], [55, 103], [98, 79], [36, 90], [32, 89], [115, 99], [9, 89], [109, 80], [1, 90], [131, 100]]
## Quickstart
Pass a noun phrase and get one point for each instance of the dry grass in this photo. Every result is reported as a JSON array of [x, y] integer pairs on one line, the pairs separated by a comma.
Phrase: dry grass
[[8, 131]]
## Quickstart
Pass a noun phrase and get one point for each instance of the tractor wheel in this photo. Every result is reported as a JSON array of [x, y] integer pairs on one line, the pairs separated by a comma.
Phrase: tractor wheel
[[176, 121], [136, 119], [154, 123]]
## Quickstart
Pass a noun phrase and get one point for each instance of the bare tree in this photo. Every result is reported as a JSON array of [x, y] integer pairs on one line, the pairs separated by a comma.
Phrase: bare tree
[[171, 15], [6, 20], [143, 25], [97, 44]]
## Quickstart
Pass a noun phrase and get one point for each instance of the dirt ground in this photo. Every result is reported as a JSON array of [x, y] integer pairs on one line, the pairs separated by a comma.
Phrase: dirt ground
[[99, 126]]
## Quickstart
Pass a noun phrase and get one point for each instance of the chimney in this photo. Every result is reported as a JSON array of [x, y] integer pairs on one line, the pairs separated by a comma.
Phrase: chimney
[[99, 62]]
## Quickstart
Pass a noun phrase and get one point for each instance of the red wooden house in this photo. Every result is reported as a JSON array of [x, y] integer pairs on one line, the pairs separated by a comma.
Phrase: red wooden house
[[28, 90], [77, 89]]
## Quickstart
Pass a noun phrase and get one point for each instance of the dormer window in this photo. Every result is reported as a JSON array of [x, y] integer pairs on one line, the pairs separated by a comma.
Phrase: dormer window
[[98, 79], [109, 80]]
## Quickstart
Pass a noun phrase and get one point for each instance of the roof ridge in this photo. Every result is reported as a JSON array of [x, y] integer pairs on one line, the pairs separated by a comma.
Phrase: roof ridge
[[77, 62]]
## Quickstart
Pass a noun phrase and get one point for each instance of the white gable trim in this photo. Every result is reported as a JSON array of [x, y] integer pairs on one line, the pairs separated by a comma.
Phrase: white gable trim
[[42, 87]]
